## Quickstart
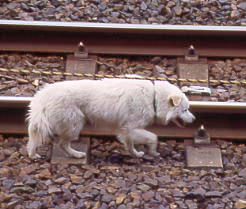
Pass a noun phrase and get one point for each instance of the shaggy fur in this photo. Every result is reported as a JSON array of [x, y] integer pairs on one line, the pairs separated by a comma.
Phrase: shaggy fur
[[127, 106]]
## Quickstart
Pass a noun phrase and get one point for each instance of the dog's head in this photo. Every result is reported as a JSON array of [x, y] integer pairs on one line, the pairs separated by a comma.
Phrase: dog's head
[[179, 110]]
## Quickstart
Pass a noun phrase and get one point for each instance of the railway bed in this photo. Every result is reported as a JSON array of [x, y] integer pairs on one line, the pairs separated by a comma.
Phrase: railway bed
[[113, 179]]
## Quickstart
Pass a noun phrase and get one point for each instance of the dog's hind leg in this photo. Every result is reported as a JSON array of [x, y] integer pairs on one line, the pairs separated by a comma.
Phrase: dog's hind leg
[[69, 130], [141, 136], [31, 149], [33, 142]]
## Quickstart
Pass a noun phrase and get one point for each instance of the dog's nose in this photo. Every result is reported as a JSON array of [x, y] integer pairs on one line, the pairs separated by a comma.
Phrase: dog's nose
[[193, 118]]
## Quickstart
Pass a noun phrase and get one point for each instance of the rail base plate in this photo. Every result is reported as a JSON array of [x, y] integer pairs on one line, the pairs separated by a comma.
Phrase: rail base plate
[[60, 157], [203, 156], [194, 70], [81, 65]]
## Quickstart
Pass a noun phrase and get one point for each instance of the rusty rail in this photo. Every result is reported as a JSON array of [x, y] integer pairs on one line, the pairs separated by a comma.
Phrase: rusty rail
[[222, 120], [124, 39]]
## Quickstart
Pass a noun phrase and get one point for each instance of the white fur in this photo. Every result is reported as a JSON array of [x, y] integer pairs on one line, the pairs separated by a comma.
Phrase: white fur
[[125, 105]]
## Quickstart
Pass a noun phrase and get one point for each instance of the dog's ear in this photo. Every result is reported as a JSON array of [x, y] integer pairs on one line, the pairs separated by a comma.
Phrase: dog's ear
[[175, 100]]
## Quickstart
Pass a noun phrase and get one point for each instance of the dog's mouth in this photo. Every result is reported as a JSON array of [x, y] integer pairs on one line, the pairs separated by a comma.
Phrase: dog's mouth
[[179, 122]]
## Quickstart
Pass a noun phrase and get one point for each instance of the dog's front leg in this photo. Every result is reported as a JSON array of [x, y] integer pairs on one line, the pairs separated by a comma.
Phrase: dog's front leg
[[128, 143], [66, 146], [141, 136], [131, 147]]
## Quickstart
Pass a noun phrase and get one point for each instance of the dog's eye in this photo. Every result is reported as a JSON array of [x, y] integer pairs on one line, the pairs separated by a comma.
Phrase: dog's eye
[[185, 110]]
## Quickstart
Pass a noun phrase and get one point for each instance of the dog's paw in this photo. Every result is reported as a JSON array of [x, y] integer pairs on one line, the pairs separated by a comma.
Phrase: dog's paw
[[139, 154], [155, 154], [35, 156], [79, 155]]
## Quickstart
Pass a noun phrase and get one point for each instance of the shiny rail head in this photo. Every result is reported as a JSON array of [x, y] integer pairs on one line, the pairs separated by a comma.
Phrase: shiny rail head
[[123, 28], [14, 102], [196, 106], [218, 107]]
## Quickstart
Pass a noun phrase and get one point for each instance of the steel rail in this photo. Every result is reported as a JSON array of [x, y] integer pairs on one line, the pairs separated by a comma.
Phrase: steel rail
[[221, 119], [123, 28], [196, 106], [122, 39]]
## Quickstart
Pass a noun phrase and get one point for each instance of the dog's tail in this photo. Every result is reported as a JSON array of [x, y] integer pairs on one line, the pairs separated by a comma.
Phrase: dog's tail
[[39, 130]]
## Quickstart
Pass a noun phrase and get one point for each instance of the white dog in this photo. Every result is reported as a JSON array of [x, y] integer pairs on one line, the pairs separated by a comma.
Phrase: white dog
[[127, 106]]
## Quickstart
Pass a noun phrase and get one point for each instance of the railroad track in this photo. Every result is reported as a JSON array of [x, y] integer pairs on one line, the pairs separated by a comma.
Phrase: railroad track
[[122, 39], [113, 180], [223, 120]]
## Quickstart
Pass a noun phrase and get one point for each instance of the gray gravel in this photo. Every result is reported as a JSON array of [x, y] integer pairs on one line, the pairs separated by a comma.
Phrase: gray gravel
[[12, 84], [115, 180], [188, 12]]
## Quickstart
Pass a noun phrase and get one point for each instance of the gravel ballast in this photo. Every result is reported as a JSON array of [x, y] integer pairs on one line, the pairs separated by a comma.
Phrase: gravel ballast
[[16, 84], [115, 180], [183, 12]]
